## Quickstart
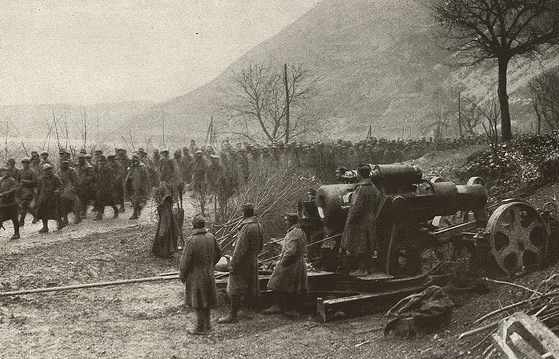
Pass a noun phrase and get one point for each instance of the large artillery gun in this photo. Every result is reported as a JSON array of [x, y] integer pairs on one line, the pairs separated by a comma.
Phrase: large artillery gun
[[424, 224], [421, 216]]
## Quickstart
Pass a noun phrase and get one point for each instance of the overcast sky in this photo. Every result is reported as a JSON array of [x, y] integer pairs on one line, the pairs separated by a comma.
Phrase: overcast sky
[[89, 51]]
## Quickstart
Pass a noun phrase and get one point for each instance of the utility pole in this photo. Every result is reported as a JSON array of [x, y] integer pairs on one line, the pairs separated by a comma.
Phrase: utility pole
[[460, 113], [287, 100], [163, 129]]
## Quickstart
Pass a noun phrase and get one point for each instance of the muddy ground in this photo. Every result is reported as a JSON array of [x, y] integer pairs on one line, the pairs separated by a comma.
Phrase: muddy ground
[[149, 321]]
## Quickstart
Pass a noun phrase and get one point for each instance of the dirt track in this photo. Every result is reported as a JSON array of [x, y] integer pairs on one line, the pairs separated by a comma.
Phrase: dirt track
[[148, 320]]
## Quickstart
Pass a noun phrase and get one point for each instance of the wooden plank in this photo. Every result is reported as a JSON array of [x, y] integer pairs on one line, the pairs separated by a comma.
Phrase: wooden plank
[[520, 336], [362, 303]]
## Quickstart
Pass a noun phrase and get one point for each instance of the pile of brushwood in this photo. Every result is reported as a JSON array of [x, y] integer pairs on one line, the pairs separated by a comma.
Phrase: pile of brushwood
[[525, 162], [273, 192], [541, 302]]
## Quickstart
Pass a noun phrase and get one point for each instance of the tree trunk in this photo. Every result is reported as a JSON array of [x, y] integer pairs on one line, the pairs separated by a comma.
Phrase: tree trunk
[[287, 100], [506, 131]]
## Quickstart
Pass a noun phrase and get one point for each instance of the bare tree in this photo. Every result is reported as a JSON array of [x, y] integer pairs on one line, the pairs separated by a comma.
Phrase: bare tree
[[545, 98], [490, 113], [498, 30], [275, 102]]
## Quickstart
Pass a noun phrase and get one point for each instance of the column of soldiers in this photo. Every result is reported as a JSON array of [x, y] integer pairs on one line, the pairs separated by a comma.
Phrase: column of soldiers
[[50, 191]]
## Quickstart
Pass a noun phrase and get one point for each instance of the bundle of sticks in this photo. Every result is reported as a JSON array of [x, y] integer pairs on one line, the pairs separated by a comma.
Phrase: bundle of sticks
[[541, 303], [272, 192]]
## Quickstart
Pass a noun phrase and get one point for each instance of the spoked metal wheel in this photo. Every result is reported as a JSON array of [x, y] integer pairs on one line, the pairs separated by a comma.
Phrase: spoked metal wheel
[[518, 238]]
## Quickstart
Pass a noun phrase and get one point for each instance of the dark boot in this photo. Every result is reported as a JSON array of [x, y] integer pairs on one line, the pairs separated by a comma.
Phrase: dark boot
[[99, 215], [115, 212], [207, 320], [199, 329], [234, 310], [121, 208], [22, 219], [45, 228], [134, 214], [15, 223]]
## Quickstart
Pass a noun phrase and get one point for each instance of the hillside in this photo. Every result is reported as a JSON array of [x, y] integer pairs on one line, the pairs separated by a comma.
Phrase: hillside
[[377, 62]]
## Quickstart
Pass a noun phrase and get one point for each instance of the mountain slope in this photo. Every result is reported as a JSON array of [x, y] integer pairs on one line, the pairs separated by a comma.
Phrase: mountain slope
[[367, 55], [377, 62]]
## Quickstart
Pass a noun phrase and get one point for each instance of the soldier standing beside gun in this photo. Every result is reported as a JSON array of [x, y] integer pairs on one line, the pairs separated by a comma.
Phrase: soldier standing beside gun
[[199, 257], [359, 236], [8, 204], [243, 276], [289, 279]]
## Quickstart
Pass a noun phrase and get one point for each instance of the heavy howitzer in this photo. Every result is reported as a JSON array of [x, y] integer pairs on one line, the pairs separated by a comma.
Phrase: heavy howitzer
[[420, 215]]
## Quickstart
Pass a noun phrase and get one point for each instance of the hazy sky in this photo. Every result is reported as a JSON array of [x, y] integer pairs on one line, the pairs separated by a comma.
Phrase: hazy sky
[[88, 51]]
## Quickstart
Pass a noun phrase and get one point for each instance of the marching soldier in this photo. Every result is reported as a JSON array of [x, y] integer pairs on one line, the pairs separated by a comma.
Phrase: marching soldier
[[118, 175], [8, 204], [86, 183], [69, 200], [168, 172], [12, 170], [243, 276], [35, 162], [186, 166], [137, 186], [199, 257], [27, 188], [199, 185], [106, 189], [289, 278], [48, 201]]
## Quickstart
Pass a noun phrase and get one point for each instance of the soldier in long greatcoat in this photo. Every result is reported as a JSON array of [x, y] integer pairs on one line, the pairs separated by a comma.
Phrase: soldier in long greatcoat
[[167, 234], [27, 190], [137, 186], [8, 204], [106, 188], [48, 198], [168, 172], [197, 263], [243, 275], [359, 236], [69, 199], [86, 183], [118, 185], [186, 166], [289, 278]]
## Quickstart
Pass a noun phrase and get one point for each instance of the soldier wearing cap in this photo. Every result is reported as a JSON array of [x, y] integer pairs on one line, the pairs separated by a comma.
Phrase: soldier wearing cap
[[12, 170], [106, 188], [359, 236], [48, 198], [289, 278], [86, 183], [119, 174], [44, 161], [197, 263], [137, 186], [27, 188], [35, 162], [169, 173], [8, 204], [167, 234], [69, 200], [243, 277]]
